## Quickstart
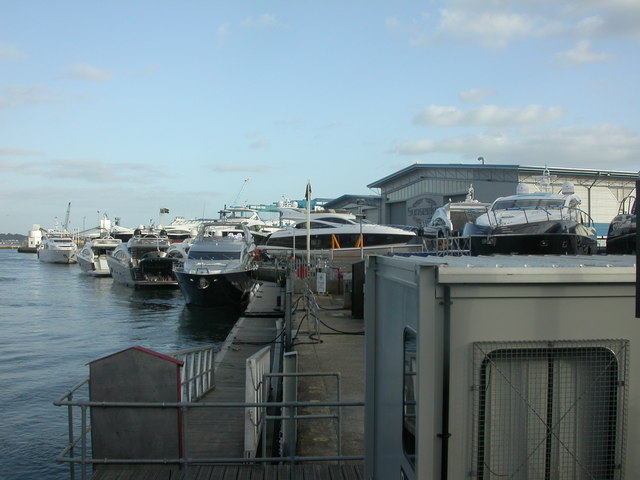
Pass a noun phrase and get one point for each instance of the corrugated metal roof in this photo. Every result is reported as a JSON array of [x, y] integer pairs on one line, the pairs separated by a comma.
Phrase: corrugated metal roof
[[521, 168]]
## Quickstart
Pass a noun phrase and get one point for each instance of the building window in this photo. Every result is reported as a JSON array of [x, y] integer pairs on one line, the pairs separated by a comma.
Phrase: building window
[[409, 414], [549, 410]]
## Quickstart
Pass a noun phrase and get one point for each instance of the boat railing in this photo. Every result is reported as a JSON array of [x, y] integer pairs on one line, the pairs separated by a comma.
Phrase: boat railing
[[627, 205]]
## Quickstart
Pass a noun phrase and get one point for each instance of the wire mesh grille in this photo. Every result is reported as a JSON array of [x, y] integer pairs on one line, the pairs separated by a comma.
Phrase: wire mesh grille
[[549, 410]]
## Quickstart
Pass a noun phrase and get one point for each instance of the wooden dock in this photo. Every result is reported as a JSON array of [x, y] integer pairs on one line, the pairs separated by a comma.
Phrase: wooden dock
[[219, 432], [242, 472]]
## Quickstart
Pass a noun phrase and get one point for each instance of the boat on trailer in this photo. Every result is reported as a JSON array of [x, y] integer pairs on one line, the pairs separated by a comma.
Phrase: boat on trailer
[[538, 223], [621, 237]]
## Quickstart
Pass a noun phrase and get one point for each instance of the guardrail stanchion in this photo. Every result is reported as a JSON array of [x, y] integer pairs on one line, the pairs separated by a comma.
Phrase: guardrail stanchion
[[72, 467], [84, 442]]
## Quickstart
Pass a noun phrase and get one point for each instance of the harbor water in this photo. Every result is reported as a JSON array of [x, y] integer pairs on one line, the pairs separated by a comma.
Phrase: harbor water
[[54, 320]]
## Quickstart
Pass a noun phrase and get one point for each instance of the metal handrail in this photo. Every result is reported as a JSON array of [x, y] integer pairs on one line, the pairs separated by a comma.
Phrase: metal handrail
[[198, 373], [68, 453]]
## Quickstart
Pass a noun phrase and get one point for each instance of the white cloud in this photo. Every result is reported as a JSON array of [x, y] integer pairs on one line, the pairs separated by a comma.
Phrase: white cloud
[[499, 23], [89, 170], [475, 95], [18, 152], [15, 96], [84, 71], [222, 33], [238, 167], [10, 52], [487, 115], [599, 146], [266, 20], [582, 53], [606, 18], [495, 29], [260, 143]]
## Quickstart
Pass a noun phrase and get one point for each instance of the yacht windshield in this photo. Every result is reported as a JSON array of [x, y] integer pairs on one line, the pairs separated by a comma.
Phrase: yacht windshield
[[314, 225], [529, 203], [214, 255], [340, 220]]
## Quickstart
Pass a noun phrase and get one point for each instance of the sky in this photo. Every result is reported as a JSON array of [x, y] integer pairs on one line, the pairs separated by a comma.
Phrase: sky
[[126, 107]]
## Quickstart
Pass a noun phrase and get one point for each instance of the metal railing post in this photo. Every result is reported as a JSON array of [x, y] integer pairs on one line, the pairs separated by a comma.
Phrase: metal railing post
[[339, 426], [185, 441], [293, 443], [84, 442], [72, 467], [288, 313], [264, 418]]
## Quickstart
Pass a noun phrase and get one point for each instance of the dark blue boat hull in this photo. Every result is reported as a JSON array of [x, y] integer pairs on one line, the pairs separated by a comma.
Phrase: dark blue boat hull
[[213, 290], [537, 238]]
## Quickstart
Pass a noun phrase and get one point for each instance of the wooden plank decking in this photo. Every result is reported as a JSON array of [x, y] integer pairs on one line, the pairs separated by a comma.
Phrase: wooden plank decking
[[242, 472], [219, 432]]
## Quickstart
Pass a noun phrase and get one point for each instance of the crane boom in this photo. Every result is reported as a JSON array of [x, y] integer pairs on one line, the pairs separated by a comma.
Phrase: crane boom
[[66, 218]]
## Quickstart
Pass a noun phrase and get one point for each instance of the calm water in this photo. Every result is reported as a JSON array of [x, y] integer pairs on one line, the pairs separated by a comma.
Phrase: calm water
[[53, 321]]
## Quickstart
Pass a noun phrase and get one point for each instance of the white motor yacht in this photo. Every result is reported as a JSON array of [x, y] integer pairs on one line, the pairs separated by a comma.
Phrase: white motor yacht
[[57, 247], [330, 230], [534, 224], [219, 268], [92, 258], [450, 219], [142, 261], [231, 220]]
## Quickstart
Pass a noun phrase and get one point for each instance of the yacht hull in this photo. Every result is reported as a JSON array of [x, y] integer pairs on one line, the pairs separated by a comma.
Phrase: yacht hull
[[213, 290], [557, 237], [57, 256], [621, 238], [541, 244], [622, 244], [157, 274], [96, 267]]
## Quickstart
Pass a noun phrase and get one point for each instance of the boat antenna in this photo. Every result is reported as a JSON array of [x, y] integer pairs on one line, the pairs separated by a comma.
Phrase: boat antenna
[[235, 202]]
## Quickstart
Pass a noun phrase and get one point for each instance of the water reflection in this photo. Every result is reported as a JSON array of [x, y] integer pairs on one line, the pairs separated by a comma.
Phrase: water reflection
[[205, 323], [147, 299]]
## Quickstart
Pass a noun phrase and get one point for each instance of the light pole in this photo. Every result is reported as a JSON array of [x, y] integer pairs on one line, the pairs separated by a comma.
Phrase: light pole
[[293, 239], [360, 203]]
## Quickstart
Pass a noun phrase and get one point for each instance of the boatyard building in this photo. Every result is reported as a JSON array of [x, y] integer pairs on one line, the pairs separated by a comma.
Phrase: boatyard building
[[411, 195]]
